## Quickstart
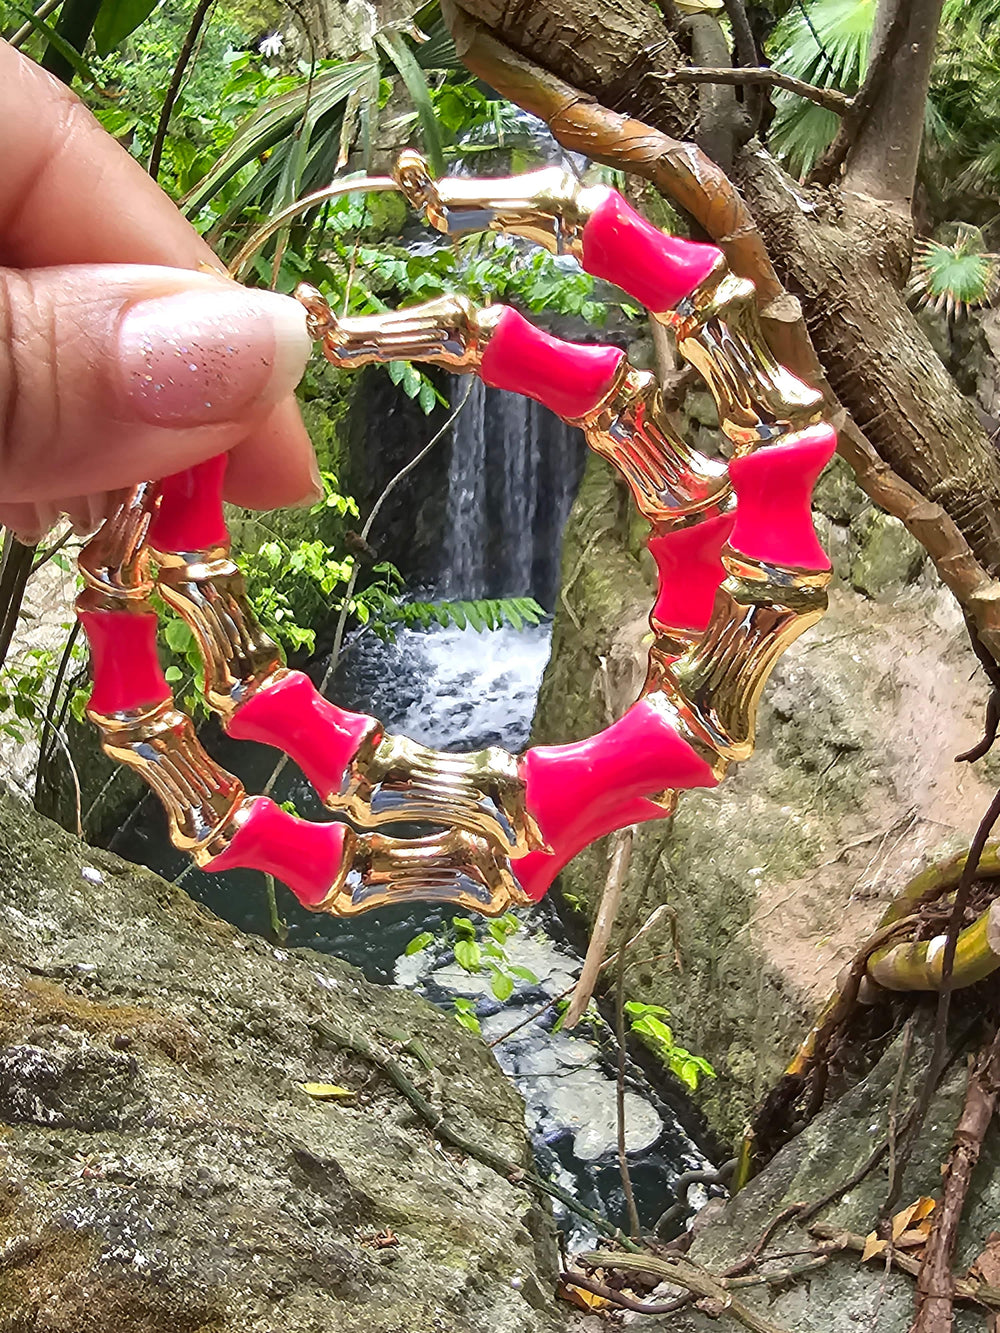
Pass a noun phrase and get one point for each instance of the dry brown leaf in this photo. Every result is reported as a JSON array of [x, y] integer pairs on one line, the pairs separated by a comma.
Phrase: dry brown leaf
[[910, 1227], [987, 1267], [583, 1300], [873, 1245]]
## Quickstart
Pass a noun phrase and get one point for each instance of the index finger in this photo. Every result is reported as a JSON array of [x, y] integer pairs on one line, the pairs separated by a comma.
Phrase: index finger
[[72, 195]]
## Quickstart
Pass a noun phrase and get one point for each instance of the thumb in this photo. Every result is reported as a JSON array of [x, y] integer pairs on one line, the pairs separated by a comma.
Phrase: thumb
[[112, 374]]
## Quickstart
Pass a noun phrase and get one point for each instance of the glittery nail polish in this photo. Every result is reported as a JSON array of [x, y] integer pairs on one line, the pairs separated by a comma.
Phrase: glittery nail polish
[[206, 356]]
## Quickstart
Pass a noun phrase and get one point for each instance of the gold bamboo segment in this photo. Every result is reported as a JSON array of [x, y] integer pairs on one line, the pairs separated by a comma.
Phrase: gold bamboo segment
[[719, 333], [208, 591], [393, 778], [201, 799], [712, 691], [115, 562], [918, 965], [548, 207], [450, 331], [455, 867], [632, 429]]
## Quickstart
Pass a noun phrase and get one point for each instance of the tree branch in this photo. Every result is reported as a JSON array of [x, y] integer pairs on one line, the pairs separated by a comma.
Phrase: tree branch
[[176, 79], [936, 1283], [884, 147], [829, 98]]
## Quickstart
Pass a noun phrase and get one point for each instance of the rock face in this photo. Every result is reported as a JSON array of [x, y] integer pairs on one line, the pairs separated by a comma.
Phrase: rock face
[[162, 1169], [774, 878], [846, 1295]]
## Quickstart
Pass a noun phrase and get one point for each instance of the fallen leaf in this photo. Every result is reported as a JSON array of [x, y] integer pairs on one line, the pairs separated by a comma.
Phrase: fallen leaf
[[873, 1245], [987, 1267], [327, 1092], [583, 1300], [381, 1240], [910, 1228]]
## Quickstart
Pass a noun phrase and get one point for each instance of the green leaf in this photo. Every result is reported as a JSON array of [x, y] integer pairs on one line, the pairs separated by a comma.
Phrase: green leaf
[[464, 927], [58, 43], [523, 973], [416, 85], [636, 1010], [468, 955], [501, 984], [418, 943], [116, 19], [173, 674], [465, 1012], [178, 636]]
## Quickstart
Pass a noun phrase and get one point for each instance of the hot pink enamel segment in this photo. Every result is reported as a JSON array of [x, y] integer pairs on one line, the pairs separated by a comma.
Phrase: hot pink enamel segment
[[189, 517], [689, 561], [657, 269], [307, 857], [123, 660], [290, 714], [774, 494], [571, 790], [568, 378], [536, 871]]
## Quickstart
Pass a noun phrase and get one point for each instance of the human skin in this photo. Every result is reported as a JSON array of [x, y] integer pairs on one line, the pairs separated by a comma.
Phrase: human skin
[[125, 352]]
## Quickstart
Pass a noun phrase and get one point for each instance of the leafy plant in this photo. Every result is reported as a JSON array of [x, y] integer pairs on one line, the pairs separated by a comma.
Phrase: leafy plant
[[648, 1022], [476, 954], [957, 277]]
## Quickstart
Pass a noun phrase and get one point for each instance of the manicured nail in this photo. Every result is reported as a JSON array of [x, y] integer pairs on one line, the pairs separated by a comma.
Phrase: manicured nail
[[206, 356]]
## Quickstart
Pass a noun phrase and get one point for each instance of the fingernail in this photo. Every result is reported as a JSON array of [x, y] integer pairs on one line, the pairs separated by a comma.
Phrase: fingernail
[[316, 486], [207, 356]]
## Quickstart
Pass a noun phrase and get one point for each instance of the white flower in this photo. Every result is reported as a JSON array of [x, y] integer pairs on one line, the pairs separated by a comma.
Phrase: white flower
[[272, 45]]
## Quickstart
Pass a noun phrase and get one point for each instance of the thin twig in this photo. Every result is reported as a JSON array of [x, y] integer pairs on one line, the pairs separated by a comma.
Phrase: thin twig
[[936, 1283], [966, 1289], [44, 751], [684, 1273], [633, 1212], [852, 121], [174, 88], [621, 856], [536, 1014], [26, 29], [897, 1086], [442, 1129], [623, 1302], [828, 98]]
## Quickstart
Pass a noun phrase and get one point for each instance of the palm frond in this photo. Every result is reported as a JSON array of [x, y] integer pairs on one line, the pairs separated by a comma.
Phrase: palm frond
[[827, 45], [955, 277]]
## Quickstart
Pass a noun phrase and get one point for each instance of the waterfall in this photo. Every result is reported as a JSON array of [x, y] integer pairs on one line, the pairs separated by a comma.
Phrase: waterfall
[[515, 468]]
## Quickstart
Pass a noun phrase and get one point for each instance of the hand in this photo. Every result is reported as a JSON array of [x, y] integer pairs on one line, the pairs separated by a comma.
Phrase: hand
[[113, 369]]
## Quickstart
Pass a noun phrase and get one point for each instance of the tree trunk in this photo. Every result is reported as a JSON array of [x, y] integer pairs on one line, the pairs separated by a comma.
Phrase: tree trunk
[[883, 160]]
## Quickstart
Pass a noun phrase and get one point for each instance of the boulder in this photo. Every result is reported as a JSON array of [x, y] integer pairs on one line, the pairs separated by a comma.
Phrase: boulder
[[775, 877], [164, 1170]]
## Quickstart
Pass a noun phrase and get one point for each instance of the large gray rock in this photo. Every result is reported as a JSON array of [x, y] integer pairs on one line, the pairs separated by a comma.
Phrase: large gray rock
[[162, 1169], [847, 1295], [774, 878]]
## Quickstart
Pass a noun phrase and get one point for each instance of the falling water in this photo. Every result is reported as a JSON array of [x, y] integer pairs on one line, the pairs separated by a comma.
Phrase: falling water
[[513, 474]]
